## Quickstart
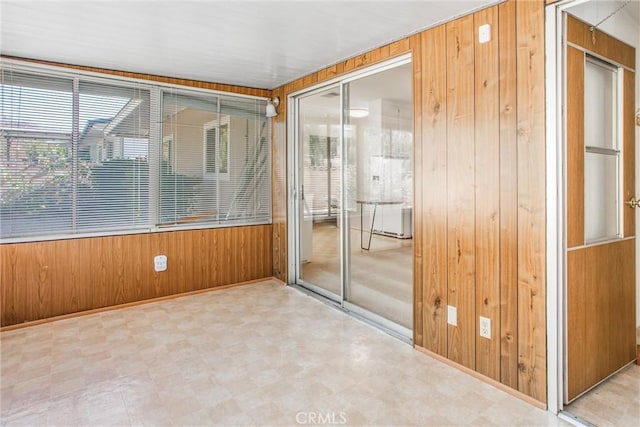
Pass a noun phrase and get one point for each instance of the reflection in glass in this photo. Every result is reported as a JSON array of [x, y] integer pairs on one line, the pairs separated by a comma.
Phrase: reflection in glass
[[601, 217], [319, 242], [379, 194]]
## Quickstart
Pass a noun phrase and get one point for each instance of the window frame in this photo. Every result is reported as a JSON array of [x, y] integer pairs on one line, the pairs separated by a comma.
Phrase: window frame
[[224, 122], [614, 152], [155, 148]]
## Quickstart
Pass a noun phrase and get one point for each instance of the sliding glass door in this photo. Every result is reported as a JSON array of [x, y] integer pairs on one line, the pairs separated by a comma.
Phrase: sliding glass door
[[378, 153], [354, 185], [319, 170]]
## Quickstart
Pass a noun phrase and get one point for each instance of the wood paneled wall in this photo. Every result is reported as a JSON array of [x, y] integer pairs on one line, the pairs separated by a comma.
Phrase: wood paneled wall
[[490, 123], [46, 279], [479, 200]]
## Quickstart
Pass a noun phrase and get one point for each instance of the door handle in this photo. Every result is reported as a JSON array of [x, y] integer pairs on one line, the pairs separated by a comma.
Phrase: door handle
[[633, 203]]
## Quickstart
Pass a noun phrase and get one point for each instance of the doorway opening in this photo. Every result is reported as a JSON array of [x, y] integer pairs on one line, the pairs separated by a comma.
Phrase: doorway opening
[[352, 160], [598, 319]]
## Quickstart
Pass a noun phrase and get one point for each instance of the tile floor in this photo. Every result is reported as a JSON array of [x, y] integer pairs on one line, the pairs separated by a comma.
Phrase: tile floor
[[615, 402], [260, 354]]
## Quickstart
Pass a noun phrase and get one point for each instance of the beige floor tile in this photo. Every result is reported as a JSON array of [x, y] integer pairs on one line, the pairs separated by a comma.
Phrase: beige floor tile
[[615, 402], [262, 354]]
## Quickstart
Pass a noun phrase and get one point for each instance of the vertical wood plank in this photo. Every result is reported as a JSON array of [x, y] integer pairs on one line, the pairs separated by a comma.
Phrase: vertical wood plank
[[487, 199], [418, 211], [461, 191], [433, 189], [9, 271], [628, 151], [575, 147], [117, 270], [99, 265], [532, 372], [508, 197]]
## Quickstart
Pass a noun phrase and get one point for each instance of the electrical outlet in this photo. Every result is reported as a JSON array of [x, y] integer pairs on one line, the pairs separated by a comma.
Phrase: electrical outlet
[[452, 315], [160, 262], [485, 327]]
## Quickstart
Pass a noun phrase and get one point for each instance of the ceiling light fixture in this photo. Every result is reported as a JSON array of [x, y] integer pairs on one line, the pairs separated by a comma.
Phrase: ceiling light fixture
[[272, 104], [358, 113]]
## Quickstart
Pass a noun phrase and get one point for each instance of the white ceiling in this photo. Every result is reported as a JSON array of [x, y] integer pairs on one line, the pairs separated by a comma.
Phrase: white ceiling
[[261, 44]]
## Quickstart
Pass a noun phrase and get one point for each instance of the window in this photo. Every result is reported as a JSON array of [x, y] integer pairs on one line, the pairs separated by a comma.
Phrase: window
[[602, 151], [84, 155], [113, 158], [74, 156], [221, 168]]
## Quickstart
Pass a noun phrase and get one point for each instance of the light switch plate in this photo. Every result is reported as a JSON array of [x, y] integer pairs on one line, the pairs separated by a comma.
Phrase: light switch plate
[[484, 33], [485, 327], [452, 315]]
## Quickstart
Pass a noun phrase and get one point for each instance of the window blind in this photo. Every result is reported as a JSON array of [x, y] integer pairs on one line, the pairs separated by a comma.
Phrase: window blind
[[216, 160], [113, 157], [74, 156], [36, 181]]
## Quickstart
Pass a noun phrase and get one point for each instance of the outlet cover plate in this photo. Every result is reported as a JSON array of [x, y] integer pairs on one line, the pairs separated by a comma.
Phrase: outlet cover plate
[[160, 262], [485, 327]]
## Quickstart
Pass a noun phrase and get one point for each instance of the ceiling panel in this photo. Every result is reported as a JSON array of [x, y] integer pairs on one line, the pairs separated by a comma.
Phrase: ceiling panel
[[260, 44]]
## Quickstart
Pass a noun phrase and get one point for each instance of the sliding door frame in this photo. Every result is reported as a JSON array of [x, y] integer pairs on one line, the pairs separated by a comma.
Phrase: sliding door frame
[[294, 184], [296, 165]]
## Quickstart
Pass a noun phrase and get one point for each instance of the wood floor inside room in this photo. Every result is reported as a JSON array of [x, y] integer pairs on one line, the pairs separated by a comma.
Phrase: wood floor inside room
[[262, 354], [615, 402], [381, 278]]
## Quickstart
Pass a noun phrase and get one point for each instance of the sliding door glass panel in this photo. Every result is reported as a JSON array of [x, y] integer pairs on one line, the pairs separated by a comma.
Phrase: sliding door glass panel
[[319, 209], [378, 194]]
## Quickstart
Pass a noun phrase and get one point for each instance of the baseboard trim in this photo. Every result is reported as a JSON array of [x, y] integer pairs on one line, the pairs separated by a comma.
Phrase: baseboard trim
[[132, 304], [280, 282], [530, 400]]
